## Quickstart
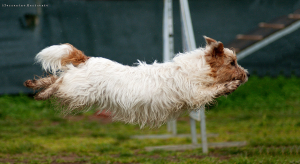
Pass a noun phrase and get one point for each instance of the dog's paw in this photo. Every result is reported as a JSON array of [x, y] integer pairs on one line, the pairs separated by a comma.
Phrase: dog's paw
[[227, 88], [233, 85], [30, 83]]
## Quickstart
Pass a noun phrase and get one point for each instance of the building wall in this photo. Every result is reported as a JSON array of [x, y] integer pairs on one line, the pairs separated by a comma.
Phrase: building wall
[[125, 31]]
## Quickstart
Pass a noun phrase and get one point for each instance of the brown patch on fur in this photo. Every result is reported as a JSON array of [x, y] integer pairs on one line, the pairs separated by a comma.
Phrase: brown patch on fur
[[75, 57], [223, 63]]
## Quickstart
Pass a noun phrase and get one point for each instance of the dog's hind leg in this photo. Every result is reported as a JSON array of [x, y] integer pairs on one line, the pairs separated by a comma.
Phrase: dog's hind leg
[[40, 83], [48, 92]]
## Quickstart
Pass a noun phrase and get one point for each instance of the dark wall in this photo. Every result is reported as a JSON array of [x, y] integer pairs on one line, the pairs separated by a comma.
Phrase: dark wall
[[18, 46], [123, 31], [128, 30]]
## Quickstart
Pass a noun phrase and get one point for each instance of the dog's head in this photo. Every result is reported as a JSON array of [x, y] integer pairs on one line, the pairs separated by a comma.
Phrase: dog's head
[[223, 63]]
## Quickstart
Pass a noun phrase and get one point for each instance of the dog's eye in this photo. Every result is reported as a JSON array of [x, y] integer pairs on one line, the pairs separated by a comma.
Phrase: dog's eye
[[232, 63]]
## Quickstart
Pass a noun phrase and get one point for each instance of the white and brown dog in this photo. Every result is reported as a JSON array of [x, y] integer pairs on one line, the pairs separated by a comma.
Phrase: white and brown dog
[[145, 94]]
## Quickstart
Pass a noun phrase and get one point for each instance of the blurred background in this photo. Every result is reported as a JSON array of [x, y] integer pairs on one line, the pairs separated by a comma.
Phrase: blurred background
[[264, 112], [125, 31]]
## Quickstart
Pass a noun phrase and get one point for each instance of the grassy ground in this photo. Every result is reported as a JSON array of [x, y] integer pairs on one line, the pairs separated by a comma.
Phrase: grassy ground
[[264, 112]]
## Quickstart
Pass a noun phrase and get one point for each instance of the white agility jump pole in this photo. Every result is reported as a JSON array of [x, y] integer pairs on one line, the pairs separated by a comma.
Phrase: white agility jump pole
[[189, 44], [168, 46]]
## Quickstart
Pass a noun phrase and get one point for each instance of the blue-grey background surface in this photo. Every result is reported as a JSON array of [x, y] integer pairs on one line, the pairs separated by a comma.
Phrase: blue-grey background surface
[[127, 30]]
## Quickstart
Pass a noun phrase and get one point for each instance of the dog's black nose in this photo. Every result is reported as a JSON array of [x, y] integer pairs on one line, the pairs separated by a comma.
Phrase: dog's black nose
[[248, 74]]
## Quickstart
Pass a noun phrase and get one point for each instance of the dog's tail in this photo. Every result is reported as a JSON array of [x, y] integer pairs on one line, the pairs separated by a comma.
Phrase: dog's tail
[[53, 58]]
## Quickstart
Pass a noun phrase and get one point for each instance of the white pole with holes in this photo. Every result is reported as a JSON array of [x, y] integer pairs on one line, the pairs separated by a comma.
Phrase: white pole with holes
[[168, 46], [189, 45]]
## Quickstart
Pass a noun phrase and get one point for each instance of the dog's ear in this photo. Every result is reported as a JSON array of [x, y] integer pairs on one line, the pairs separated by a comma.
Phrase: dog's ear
[[216, 47], [209, 41]]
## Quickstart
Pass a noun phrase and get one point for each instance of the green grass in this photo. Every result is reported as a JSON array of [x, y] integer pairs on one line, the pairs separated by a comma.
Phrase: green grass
[[264, 112]]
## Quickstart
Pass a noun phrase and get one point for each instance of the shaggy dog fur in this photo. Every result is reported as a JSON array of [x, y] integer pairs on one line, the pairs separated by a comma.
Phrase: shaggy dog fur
[[145, 94]]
